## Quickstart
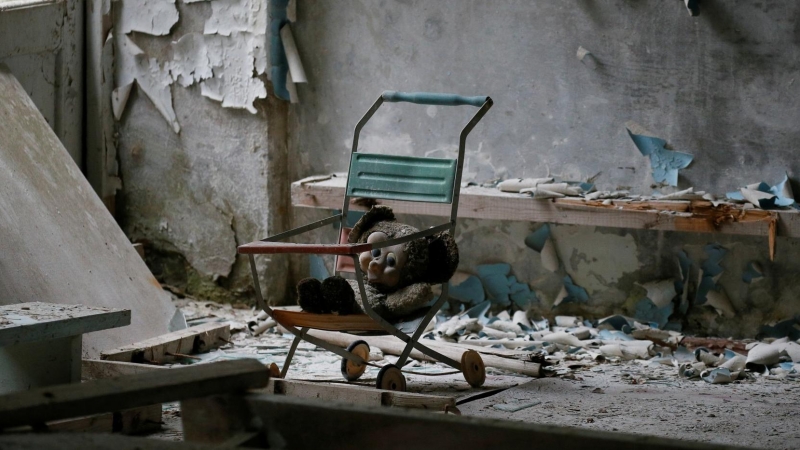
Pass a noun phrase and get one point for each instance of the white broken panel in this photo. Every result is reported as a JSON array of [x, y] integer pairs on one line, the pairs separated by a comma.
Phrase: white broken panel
[[134, 65], [154, 17]]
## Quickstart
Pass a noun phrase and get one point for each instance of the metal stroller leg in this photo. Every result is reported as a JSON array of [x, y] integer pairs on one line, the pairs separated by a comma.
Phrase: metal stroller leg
[[292, 349]]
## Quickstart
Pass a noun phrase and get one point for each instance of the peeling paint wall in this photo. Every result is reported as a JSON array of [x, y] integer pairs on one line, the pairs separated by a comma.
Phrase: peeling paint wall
[[720, 86], [201, 147]]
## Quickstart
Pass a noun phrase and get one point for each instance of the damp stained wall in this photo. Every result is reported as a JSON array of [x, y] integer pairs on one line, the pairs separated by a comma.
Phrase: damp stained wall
[[201, 148], [721, 86]]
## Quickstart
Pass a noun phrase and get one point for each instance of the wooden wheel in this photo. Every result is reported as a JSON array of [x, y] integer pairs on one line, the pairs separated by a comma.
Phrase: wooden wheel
[[391, 378], [351, 371], [473, 369], [274, 371]]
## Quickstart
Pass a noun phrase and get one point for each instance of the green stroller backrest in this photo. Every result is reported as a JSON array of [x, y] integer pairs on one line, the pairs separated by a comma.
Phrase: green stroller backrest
[[406, 178]]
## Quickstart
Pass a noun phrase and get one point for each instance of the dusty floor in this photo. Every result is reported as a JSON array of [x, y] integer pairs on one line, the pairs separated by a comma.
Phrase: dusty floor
[[635, 396]]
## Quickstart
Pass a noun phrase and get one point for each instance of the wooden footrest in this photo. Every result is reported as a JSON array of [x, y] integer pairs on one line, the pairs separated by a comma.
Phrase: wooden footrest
[[329, 322]]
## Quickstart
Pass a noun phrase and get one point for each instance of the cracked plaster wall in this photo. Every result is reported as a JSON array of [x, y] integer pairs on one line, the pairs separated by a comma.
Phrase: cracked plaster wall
[[719, 86], [201, 148]]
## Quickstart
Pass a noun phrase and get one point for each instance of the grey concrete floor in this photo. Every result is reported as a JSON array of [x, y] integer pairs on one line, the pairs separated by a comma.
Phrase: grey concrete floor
[[633, 396]]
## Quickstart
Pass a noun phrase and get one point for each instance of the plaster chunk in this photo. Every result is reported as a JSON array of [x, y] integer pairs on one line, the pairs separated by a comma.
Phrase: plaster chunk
[[154, 17]]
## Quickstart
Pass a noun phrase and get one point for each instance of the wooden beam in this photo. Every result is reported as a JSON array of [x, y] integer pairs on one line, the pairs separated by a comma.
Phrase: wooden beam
[[143, 419], [99, 396], [95, 369], [158, 349], [38, 321], [305, 424], [488, 203], [393, 346], [90, 441], [358, 395]]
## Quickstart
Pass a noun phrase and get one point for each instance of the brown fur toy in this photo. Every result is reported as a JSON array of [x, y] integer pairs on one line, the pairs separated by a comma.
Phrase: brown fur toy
[[397, 279]]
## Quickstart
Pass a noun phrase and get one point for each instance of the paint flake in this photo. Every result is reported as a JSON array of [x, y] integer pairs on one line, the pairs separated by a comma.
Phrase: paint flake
[[134, 65], [155, 17], [665, 163], [236, 16]]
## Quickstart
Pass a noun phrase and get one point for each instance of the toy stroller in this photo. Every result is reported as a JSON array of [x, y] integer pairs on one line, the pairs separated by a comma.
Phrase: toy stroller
[[377, 176]]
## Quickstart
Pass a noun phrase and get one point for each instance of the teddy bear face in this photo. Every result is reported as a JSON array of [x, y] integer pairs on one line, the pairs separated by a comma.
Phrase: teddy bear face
[[383, 266]]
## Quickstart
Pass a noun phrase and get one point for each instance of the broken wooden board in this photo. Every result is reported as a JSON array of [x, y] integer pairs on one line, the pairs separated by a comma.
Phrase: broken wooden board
[[393, 346], [477, 202], [60, 243], [301, 424], [95, 369], [162, 349], [37, 321], [91, 441], [115, 394], [358, 395], [144, 419]]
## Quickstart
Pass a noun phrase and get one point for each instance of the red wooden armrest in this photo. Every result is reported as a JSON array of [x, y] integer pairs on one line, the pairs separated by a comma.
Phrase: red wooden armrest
[[263, 248]]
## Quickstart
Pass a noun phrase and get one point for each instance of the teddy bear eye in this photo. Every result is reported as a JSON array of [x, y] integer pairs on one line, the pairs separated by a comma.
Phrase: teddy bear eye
[[376, 252], [390, 261]]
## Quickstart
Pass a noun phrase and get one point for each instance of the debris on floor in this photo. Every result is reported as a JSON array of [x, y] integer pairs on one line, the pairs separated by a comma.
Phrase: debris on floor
[[568, 346]]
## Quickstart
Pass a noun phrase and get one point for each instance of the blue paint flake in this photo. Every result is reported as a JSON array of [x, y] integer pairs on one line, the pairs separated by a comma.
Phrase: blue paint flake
[[647, 311], [665, 163], [468, 291], [537, 239]]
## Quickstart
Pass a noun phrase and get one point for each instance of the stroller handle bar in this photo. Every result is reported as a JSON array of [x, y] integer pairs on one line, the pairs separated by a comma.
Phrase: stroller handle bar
[[432, 98]]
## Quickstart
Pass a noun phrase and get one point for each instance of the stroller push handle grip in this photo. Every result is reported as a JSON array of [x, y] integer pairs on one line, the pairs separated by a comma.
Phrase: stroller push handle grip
[[432, 98]]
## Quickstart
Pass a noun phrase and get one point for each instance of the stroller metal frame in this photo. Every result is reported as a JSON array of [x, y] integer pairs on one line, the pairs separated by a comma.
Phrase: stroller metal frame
[[386, 186]]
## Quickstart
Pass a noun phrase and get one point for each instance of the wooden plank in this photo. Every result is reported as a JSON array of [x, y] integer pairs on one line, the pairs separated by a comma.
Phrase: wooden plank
[[394, 346], [161, 348], [98, 396], [143, 419], [357, 395], [95, 369], [91, 441], [487, 203], [38, 321], [331, 322], [267, 248], [341, 426]]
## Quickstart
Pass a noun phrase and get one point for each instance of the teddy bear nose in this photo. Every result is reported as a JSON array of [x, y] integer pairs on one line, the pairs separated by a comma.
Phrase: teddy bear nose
[[375, 266]]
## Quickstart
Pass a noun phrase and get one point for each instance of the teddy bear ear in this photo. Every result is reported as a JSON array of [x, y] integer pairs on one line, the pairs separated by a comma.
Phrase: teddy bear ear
[[377, 213], [442, 257]]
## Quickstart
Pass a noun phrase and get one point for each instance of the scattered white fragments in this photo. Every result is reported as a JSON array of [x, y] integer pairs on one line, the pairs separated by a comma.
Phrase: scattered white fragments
[[569, 343]]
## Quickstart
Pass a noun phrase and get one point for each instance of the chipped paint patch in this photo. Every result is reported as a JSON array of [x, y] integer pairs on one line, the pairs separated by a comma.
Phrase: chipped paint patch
[[156, 17], [225, 60], [595, 259]]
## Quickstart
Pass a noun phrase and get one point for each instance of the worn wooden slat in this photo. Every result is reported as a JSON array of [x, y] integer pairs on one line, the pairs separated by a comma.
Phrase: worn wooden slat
[[486, 203], [95, 369], [331, 322], [37, 321], [357, 395], [99, 396], [91, 441], [161, 348], [343, 426], [265, 248]]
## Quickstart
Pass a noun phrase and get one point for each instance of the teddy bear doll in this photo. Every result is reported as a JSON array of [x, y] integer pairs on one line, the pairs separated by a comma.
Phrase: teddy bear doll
[[397, 279]]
